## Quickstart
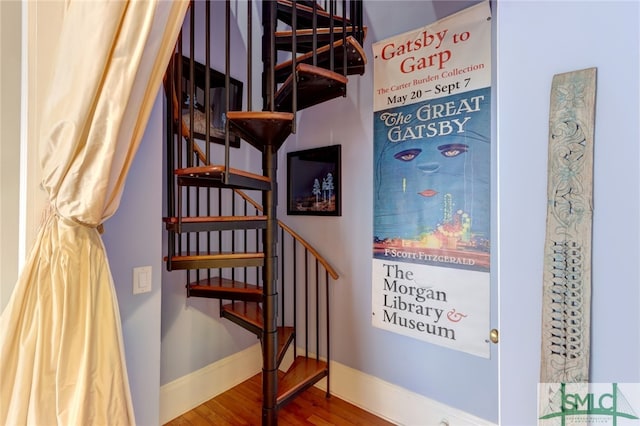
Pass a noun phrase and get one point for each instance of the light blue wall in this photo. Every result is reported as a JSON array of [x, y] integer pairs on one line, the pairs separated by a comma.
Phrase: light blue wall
[[463, 381], [133, 237], [535, 41]]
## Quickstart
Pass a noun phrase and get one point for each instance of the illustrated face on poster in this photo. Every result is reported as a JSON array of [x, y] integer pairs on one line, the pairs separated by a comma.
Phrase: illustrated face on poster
[[432, 175]]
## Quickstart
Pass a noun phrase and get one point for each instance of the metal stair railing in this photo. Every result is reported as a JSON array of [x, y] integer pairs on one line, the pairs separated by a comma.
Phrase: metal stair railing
[[295, 278]]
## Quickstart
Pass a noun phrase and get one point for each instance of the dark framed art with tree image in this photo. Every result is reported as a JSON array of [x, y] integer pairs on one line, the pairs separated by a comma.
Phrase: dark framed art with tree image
[[313, 182]]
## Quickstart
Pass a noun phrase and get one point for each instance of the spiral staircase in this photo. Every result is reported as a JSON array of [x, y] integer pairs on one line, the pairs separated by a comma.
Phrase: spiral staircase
[[267, 279]]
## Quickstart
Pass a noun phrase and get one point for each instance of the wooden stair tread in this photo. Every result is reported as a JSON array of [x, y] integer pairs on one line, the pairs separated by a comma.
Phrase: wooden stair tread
[[199, 219], [249, 315], [339, 46], [250, 312], [215, 260], [261, 128], [224, 288], [304, 38], [303, 373], [305, 15], [356, 59], [184, 256], [216, 175], [214, 223], [315, 85], [216, 171]]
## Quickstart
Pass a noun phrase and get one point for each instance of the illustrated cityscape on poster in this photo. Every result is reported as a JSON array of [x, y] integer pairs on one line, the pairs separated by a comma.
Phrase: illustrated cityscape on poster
[[432, 194], [313, 182]]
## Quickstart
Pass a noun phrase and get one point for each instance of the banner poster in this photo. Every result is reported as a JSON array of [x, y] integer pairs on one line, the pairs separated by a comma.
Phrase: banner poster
[[432, 154]]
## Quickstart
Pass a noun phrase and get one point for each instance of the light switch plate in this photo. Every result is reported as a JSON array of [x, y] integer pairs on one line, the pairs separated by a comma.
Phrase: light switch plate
[[142, 279]]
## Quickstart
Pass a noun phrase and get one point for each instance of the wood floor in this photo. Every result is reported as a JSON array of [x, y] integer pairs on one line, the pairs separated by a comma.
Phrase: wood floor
[[242, 405]]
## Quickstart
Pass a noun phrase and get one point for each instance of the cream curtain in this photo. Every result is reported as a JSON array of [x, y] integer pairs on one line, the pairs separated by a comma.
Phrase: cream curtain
[[61, 351]]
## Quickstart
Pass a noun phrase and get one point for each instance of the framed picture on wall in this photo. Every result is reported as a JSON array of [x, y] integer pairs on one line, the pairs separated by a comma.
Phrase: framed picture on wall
[[313, 182], [217, 102]]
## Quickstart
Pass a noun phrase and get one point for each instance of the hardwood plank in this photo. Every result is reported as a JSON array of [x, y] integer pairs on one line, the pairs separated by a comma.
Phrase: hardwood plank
[[195, 419], [225, 415], [294, 415], [250, 312], [241, 408], [242, 405], [179, 421], [317, 400], [211, 416], [316, 420]]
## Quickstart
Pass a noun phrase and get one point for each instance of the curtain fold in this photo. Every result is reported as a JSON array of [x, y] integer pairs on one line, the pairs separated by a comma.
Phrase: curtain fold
[[61, 351]]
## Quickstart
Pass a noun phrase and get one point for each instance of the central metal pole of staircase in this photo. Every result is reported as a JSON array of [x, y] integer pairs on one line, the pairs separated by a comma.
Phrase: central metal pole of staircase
[[270, 241], [270, 308]]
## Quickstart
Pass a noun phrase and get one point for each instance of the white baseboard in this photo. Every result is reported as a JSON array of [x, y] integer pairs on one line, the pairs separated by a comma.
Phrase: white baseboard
[[386, 400], [394, 403], [187, 392]]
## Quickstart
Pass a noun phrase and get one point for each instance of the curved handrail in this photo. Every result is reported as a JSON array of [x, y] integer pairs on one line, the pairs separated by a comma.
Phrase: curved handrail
[[295, 235], [284, 226]]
